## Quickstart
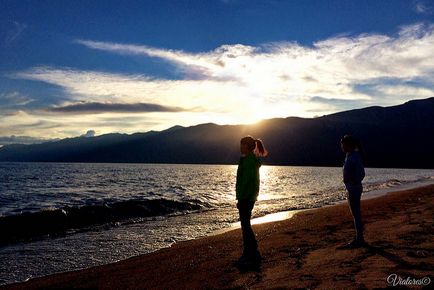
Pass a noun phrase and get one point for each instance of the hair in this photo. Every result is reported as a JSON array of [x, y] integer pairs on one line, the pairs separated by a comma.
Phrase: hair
[[255, 145], [353, 143]]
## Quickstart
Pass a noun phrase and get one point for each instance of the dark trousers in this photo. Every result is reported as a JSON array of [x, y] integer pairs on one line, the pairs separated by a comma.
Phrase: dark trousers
[[354, 195], [245, 208]]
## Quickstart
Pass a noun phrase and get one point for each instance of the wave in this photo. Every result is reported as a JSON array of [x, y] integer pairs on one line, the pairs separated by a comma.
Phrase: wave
[[26, 226], [393, 183]]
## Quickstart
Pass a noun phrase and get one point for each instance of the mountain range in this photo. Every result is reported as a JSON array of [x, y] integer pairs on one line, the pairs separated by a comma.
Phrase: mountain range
[[395, 137]]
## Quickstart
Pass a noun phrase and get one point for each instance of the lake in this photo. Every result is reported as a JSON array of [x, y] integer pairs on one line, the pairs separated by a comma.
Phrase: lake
[[85, 214]]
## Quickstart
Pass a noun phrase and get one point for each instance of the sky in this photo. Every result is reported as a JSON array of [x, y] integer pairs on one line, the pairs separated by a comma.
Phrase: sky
[[86, 68]]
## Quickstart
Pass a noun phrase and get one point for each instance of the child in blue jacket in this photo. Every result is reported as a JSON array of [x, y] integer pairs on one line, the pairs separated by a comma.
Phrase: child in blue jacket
[[353, 174]]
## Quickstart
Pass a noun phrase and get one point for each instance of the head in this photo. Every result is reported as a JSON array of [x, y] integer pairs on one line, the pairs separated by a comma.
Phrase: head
[[250, 145], [349, 144]]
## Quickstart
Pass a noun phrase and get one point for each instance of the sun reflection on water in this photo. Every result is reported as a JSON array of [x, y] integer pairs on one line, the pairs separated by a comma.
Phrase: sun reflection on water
[[264, 173]]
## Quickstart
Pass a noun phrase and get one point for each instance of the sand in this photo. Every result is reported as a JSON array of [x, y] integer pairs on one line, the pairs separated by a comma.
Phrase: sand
[[297, 253]]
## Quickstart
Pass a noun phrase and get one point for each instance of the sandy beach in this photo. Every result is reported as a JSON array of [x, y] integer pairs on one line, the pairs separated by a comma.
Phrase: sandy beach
[[298, 253]]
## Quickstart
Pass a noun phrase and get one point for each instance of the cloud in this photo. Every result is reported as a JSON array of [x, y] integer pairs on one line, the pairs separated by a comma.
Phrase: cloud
[[88, 134], [41, 124], [342, 104], [195, 65], [7, 140], [14, 99], [95, 108], [423, 7], [100, 87], [14, 32], [331, 68], [22, 123], [241, 83]]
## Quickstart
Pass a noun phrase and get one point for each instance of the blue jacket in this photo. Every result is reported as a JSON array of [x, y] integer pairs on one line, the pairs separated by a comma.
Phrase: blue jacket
[[353, 169]]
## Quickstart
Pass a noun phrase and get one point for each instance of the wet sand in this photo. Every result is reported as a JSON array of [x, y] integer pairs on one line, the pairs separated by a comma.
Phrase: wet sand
[[297, 253]]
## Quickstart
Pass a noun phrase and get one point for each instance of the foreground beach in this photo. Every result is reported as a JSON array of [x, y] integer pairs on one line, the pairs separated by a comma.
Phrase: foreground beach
[[297, 253]]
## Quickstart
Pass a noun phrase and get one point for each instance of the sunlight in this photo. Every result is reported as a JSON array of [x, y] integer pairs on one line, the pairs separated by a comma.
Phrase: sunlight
[[264, 173], [274, 217]]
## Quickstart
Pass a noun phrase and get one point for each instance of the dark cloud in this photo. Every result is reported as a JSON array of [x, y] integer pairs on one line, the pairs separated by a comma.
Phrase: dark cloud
[[337, 104], [94, 107], [374, 86], [331, 101], [285, 77], [40, 125], [310, 79]]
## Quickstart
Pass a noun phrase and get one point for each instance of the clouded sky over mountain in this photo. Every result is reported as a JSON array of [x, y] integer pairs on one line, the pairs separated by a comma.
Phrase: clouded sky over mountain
[[69, 67]]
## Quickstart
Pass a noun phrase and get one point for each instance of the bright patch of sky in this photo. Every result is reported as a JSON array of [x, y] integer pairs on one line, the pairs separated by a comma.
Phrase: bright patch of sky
[[72, 67]]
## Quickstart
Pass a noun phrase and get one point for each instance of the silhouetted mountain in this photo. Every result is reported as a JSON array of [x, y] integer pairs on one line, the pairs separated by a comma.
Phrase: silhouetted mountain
[[398, 136]]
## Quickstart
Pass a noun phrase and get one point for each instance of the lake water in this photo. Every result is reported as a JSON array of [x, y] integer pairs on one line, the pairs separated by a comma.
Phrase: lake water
[[58, 217]]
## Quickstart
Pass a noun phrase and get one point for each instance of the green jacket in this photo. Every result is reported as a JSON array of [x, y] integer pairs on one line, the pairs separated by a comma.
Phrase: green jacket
[[247, 186]]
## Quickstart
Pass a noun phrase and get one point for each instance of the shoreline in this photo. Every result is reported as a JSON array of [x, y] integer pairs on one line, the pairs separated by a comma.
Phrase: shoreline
[[70, 253], [287, 214], [406, 186], [295, 252]]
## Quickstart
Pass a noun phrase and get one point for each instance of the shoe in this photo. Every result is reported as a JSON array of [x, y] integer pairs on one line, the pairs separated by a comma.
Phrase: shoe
[[251, 262], [355, 244]]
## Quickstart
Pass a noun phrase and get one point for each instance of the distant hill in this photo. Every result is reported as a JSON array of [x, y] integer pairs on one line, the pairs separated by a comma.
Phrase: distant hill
[[398, 136]]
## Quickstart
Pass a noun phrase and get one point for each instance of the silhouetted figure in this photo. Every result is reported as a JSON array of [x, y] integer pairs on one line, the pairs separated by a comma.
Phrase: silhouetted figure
[[247, 190], [353, 174]]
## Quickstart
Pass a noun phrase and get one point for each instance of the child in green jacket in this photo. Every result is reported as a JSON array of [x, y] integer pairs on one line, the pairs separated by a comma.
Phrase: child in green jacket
[[247, 190]]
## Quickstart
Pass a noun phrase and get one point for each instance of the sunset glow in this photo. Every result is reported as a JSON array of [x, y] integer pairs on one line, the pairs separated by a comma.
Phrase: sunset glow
[[136, 86]]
